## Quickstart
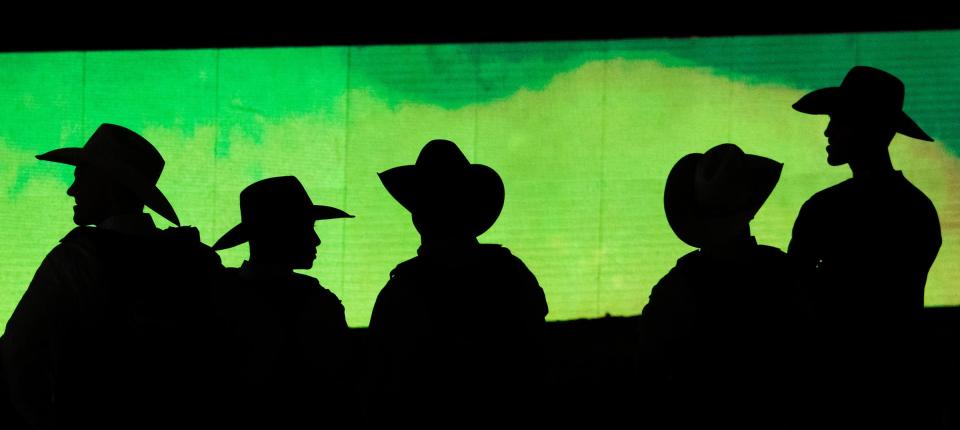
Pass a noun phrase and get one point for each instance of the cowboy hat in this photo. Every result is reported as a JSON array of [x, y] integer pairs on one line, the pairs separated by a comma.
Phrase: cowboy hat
[[127, 158], [273, 202], [713, 194], [445, 184], [865, 92]]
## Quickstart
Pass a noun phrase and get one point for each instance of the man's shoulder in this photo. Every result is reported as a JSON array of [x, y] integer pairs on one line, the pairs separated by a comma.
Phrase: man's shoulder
[[86, 235], [486, 260], [827, 201], [498, 252], [406, 268], [771, 253], [179, 239], [309, 288], [835, 192], [184, 242], [918, 197], [82, 241], [499, 256]]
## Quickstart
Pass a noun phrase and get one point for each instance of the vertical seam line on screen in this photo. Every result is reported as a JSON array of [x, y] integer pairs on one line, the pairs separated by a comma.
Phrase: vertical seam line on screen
[[476, 106], [216, 133], [346, 145], [733, 85], [603, 137], [83, 92]]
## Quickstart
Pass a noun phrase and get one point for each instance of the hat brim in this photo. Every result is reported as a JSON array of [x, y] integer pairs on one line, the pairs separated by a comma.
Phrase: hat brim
[[826, 101], [694, 227], [907, 127], [479, 187], [240, 233], [818, 102], [401, 182], [233, 237], [71, 156], [149, 194]]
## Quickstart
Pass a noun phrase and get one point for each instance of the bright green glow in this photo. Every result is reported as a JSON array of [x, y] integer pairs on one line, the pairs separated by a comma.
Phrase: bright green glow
[[582, 133]]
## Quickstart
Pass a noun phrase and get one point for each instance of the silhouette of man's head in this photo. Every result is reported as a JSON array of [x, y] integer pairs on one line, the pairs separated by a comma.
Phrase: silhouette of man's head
[[448, 198], [866, 111], [277, 218], [97, 196], [116, 173], [710, 198], [850, 137]]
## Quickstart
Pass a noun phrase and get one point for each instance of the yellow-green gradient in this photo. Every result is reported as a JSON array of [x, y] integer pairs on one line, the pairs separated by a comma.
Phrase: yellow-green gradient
[[583, 134]]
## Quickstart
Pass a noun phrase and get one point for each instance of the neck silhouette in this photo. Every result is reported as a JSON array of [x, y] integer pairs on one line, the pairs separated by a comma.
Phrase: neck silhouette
[[872, 165]]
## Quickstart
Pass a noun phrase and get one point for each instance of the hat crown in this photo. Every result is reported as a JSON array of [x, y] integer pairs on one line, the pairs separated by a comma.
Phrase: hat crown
[[708, 196], [719, 179], [273, 199], [125, 147], [444, 187], [868, 88], [441, 156]]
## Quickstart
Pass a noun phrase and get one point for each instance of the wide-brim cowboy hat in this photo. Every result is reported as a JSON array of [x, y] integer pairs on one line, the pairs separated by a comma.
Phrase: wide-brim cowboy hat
[[445, 184], [864, 92], [712, 195], [125, 157], [270, 204]]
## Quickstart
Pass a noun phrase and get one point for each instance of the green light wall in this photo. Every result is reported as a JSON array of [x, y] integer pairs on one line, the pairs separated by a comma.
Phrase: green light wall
[[583, 134]]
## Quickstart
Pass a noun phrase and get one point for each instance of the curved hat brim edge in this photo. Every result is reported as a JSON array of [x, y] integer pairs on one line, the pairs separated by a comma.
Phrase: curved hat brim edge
[[403, 183], [151, 196], [400, 182], [318, 212], [818, 102], [821, 102], [233, 237], [908, 127], [680, 208], [240, 234], [71, 156]]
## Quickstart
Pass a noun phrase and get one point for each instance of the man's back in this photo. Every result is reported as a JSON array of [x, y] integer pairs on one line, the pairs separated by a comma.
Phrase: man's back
[[122, 325], [460, 327], [287, 349], [725, 339]]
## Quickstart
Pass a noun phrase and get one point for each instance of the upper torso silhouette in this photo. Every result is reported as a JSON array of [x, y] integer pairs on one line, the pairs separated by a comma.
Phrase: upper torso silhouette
[[115, 328], [869, 244], [459, 329], [864, 248], [726, 336], [285, 335], [288, 346], [723, 330]]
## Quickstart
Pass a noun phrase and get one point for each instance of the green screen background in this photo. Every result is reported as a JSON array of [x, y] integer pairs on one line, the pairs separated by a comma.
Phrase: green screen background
[[582, 133]]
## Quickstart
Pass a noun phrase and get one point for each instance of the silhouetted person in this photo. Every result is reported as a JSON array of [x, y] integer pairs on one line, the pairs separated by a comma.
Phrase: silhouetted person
[[111, 332], [722, 328], [288, 333], [865, 246], [458, 328]]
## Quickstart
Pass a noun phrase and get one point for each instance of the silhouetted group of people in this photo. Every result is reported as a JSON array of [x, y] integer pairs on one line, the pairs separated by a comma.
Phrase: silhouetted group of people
[[825, 334], [129, 326]]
